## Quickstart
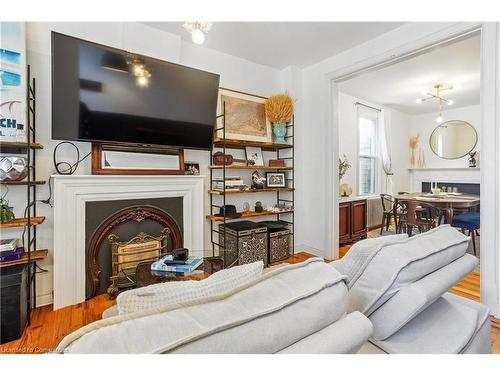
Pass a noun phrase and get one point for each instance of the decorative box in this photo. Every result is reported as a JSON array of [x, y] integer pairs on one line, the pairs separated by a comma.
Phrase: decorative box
[[245, 242], [279, 244]]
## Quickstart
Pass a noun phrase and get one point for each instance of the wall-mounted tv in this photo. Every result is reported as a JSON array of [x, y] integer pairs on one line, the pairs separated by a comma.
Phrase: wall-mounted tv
[[103, 94]]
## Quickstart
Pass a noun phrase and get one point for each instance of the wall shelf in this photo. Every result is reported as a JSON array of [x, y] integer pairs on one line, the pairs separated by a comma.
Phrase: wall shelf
[[24, 182], [19, 147], [31, 220], [35, 255], [284, 198], [252, 167], [22, 222], [248, 191], [234, 143], [248, 214]]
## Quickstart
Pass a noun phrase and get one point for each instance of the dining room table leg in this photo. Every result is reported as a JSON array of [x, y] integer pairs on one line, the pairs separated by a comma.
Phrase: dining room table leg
[[395, 214], [449, 214]]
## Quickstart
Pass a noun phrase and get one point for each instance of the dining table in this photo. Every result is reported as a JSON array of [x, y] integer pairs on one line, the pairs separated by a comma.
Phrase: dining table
[[446, 202]]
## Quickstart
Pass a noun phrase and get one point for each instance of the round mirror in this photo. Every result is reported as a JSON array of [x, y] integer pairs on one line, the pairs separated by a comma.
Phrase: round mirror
[[453, 139]]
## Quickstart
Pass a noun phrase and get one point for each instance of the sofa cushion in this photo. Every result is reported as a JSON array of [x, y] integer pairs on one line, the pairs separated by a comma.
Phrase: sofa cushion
[[165, 294], [360, 254], [414, 298], [403, 262], [450, 325], [270, 313], [345, 336]]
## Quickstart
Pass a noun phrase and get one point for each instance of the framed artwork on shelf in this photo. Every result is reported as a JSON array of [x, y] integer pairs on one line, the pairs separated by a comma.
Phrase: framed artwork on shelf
[[191, 168], [254, 154], [245, 117], [275, 180]]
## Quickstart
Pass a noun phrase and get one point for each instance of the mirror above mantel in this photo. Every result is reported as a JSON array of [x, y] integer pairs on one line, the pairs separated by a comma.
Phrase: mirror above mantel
[[453, 139]]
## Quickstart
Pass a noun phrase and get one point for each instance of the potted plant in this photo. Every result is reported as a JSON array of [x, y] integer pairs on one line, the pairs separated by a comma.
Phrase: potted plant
[[279, 111], [6, 213], [344, 165], [344, 189]]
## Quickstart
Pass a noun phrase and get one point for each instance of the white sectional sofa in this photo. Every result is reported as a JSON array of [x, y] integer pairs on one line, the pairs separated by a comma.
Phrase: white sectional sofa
[[387, 295], [297, 308]]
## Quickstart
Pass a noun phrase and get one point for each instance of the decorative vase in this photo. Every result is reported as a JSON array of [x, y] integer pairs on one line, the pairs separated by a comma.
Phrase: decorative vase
[[13, 168], [279, 131], [345, 190]]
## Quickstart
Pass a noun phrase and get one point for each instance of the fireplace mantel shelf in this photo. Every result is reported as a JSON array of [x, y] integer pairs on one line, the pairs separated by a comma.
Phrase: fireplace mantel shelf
[[445, 169]]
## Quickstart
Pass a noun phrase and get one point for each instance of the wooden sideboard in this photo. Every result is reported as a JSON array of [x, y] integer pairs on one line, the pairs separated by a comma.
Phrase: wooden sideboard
[[352, 220]]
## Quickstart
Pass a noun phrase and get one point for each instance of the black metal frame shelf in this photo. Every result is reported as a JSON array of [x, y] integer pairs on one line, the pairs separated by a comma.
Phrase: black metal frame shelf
[[30, 220], [221, 194]]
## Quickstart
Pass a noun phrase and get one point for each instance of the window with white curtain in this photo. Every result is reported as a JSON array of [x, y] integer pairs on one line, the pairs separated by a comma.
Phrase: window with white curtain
[[368, 163]]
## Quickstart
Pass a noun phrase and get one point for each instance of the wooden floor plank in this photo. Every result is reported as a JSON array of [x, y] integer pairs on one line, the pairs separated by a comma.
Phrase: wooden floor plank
[[48, 327]]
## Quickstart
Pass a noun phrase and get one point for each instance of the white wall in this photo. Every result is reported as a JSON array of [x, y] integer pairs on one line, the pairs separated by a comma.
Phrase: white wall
[[235, 73], [424, 125]]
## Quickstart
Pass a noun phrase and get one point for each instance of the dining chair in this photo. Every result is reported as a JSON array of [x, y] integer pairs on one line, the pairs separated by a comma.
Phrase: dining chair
[[469, 221], [387, 211], [402, 215], [420, 215]]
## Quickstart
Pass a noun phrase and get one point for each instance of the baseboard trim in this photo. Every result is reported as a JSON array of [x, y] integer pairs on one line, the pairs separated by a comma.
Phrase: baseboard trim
[[44, 300], [308, 249]]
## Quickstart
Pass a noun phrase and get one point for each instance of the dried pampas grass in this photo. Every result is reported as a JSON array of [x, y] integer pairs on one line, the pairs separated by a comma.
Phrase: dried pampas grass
[[279, 108]]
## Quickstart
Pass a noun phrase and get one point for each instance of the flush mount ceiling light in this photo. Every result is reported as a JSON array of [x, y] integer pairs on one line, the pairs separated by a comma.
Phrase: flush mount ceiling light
[[198, 30], [439, 88]]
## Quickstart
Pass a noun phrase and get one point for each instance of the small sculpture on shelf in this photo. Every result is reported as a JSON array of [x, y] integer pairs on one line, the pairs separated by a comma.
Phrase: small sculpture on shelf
[[258, 206], [472, 159]]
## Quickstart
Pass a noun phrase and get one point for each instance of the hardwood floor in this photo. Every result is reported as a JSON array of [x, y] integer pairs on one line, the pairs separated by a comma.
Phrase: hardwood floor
[[49, 327]]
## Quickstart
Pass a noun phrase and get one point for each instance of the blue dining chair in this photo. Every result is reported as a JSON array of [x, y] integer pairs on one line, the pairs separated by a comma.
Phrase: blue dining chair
[[468, 221]]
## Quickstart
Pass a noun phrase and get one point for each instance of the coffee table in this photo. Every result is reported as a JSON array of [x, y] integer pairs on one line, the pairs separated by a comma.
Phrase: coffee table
[[144, 276]]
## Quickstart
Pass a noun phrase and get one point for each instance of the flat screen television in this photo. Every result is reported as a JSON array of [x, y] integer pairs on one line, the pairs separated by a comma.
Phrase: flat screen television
[[107, 95]]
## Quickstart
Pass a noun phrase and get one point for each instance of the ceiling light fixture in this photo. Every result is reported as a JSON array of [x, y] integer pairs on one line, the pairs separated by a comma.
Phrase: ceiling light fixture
[[198, 30], [437, 95], [140, 72]]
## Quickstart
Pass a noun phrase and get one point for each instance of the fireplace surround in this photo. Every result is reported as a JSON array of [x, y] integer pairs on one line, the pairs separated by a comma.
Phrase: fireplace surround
[[71, 194]]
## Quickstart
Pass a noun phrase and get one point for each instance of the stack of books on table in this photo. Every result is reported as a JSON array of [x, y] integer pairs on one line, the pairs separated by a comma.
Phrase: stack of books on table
[[230, 183], [9, 250], [186, 267]]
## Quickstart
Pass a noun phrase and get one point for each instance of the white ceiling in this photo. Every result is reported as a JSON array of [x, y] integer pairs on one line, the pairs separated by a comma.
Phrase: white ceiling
[[281, 44], [398, 86]]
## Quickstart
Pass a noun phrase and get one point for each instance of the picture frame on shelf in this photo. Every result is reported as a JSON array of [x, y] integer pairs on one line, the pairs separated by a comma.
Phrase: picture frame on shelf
[[275, 180], [255, 155], [191, 168], [244, 117]]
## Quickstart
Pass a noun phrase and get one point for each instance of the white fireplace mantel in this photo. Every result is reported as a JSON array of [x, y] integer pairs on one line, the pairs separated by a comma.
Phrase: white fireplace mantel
[[450, 175], [71, 193]]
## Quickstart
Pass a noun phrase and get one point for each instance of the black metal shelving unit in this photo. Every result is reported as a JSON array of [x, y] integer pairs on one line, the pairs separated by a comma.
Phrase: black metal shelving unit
[[285, 196], [30, 219]]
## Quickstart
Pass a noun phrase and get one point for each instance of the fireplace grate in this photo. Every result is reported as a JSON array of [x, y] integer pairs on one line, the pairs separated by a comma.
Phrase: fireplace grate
[[126, 256]]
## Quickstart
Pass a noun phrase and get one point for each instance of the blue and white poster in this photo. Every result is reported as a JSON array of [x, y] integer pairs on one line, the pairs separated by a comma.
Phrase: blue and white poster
[[12, 81]]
